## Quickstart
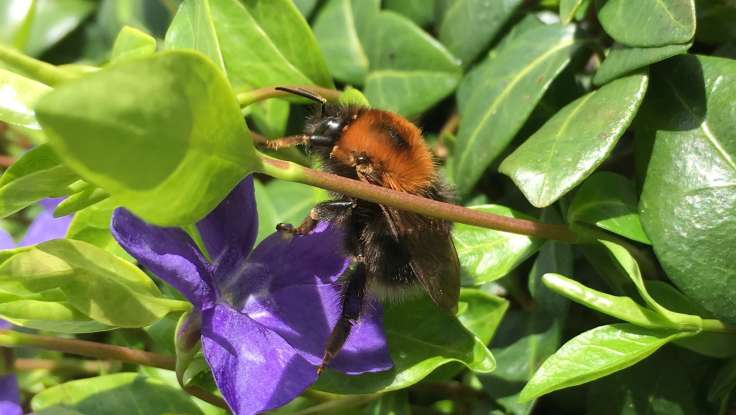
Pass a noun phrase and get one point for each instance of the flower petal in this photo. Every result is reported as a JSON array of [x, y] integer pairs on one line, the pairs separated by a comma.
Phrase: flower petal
[[289, 286], [254, 368], [6, 241], [45, 227], [366, 349], [229, 231], [9, 396], [169, 253]]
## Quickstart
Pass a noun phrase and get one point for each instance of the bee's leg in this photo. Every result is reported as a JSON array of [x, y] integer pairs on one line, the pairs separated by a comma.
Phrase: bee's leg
[[322, 211], [352, 304]]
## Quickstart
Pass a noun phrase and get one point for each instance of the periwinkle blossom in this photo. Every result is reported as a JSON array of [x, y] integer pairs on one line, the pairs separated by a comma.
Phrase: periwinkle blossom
[[265, 315], [44, 227], [9, 393]]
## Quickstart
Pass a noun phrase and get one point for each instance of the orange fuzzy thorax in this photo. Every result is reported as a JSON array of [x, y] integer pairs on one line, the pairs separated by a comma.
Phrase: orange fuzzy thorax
[[408, 168]]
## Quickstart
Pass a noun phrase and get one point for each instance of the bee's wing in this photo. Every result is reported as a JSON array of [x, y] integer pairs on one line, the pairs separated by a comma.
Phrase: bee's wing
[[434, 258]]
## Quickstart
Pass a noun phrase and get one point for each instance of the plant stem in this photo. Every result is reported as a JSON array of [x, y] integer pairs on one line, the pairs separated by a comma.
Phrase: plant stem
[[103, 351], [9, 338], [34, 68], [246, 98], [717, 326], [334, 405], [292, 172], [86, 367]]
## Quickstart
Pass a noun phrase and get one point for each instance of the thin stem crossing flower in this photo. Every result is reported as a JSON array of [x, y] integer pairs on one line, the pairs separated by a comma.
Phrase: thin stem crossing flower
[[266, 314]]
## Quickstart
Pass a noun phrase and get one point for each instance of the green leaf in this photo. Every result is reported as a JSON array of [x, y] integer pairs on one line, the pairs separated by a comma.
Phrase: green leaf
[[172, 116], [421, 338], [352, 96], [628, 264], [257, 43], [80, 200], [281, 201], [95, 282], [524, 341], [409, 70], [128, 393], [623, 59], [688, 204], [715, 21], [595, 354], [408, 92], [570, 8], [396, 403], [420, 12], [660, 385], [18, 95], [497, 97], [35, 176], [133, 43], [648, 23], [608, 200], [336, 32], [36, 26], [575, 141], [53, 316], [467, 27], [554, 257], [718, 345], [486, 254], [622, 308], [270, 117], [92, 225], [481, 313]]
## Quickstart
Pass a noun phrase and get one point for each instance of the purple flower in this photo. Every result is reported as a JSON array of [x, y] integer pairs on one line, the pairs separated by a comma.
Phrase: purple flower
[[43, 228], [266, 314], [9, 394]]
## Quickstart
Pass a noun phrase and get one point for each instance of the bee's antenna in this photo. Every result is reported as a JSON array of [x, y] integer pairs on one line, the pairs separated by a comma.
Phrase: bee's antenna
[[305, 93]]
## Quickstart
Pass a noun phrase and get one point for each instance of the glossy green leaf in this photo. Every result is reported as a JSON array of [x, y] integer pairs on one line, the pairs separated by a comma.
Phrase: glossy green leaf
[[409, 70], [622, 308], [570, 146], [623, 59], [36, 26], [92, 225], [724, 382], [688, 204], [554, 257], [95, 282], [609, 201], [18, 95], [281, 201], [53, 316], [352, 96], [395, 403], [305, 6], [502, 93], [258, 43], [132, 43], [467, 27], [486, 254], [594, 354], [408, 92], [524, 341], [35, 176], [336, 32], [421, 338], [187, 139], [627, 262], [80, 200], [648, 23], [713, 344], [420, 12], [660, 385], [715, 21], [120, 393], [270, 117], [481, 313], [570, 8]]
